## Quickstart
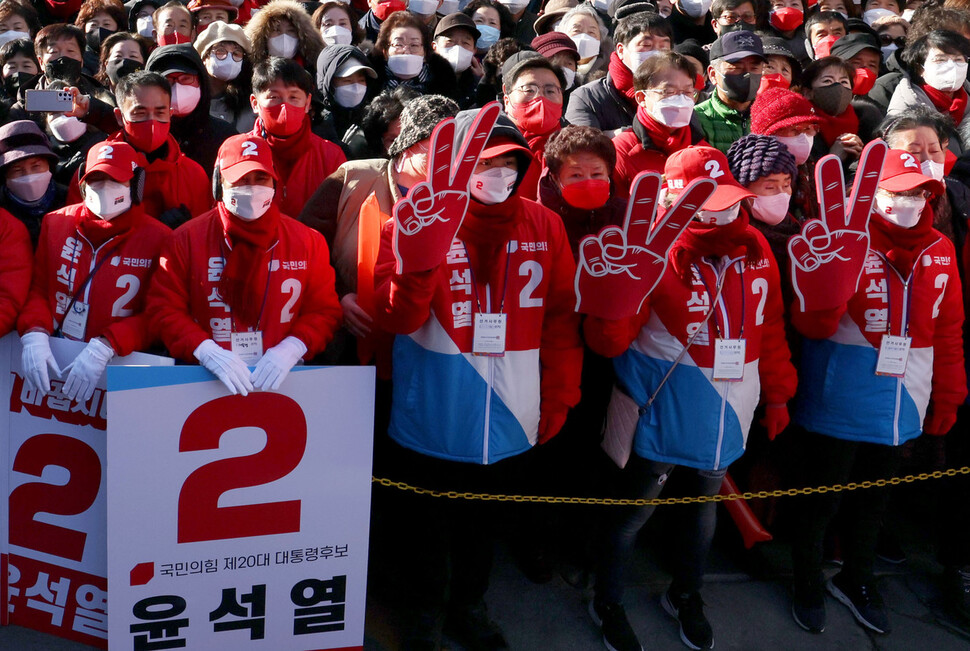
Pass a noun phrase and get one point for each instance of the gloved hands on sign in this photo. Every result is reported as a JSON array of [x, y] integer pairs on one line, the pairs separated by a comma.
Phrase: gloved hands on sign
[[225, 365], [38, 360], [86, 369]]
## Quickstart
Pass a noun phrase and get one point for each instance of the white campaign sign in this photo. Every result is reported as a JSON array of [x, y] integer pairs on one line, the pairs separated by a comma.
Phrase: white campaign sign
[[238, 522]]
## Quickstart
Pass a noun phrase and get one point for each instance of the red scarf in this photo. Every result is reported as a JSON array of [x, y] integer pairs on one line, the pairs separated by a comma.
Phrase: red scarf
[[97, 231], [485, 231], [833, 126], [243, 281], [902, 245], [707, 241], [621, 76], [955, 106], [663, 137], [286, 151]]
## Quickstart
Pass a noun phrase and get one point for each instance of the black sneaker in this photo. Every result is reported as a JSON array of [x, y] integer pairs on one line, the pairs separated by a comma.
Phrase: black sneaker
[[863, 600], [618, 635], [688, 609], [956, 591], [808, 607], [474, 630]]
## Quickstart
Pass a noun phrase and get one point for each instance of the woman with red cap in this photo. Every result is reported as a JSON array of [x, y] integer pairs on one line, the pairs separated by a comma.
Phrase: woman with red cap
[[718, 299], [244, 285], [877, 370], [92, 270]]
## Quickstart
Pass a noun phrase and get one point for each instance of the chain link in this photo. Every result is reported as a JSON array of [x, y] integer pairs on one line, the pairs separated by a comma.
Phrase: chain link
[[608, 501]]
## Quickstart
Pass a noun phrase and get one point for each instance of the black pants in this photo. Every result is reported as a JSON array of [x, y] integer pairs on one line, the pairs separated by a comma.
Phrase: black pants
[[828, 461]]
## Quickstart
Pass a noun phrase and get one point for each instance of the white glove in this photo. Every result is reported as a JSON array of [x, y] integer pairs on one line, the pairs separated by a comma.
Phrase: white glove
[[225, 365], [276, 362], [36, 359], [86, 369]]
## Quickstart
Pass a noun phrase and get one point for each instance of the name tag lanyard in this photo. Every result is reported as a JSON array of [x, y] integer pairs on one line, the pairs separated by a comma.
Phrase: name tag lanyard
[[262, 306], [490, 328], [904, 314], [893, 354], [716, 296], [86, 285]]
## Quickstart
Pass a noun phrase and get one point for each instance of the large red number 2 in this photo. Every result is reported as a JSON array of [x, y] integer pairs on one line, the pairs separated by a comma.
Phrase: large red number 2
[[200, 516], [72, 498]]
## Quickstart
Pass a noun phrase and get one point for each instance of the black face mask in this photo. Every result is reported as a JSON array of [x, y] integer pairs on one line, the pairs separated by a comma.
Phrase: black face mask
[[96, 38], [118, 69], [65, 69], [741, 88], [832, 99], [739, 26], [15, 82]]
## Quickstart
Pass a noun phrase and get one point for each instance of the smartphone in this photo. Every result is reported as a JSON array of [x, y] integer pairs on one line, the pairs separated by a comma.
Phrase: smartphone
[[49, 101]]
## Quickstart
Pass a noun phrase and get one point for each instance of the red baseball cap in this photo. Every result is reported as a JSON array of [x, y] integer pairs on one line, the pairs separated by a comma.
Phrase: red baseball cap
[[117, 159], [902, 172], [692, 163], [242, 154], [499, 145]]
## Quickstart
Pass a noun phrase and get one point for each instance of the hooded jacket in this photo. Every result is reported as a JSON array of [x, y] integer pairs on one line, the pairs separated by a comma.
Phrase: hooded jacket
[[449, 403], [309, 41], [198, 134], [16, 261], [334, 119]]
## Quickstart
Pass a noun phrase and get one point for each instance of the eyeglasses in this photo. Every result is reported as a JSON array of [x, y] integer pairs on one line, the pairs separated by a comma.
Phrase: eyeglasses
[[184, 78], [531, 91], [668, 92], [221, 53], [413, 47], [731, 19], [886, 39]]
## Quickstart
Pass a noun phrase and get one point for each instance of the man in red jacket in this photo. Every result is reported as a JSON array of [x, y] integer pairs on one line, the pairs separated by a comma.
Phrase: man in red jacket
[[281, 98], [91, 274], [244, 278]]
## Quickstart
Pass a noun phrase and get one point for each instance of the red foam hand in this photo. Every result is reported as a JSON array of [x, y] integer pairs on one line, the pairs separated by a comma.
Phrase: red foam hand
[[828, 255], [775, 420], [427, 220], [619, 267]]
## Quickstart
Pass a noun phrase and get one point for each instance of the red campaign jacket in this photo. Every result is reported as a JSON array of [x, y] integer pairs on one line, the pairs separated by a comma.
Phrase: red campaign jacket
[[632, 158], [16, 260], [299, 180], [116, 294], [170, 182], [184, 303]]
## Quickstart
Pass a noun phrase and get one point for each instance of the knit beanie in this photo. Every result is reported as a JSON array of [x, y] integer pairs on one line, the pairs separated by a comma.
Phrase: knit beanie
[[419, 118], [754, 156], [777, 108], [693, 48]]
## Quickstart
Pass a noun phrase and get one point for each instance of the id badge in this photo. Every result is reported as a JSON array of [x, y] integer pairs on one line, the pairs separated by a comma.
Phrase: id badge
[[75, 321], [489, 336], [729, 360], [893, 355], [248, 345]]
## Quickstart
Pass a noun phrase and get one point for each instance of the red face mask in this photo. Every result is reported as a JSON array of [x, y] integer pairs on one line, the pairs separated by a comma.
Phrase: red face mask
[[786, 19], [536, 117], [700, 82], [824, 47], [774, 80], [385, 9], [587, 195], [172, 39], [146, 136], [864, 80], [282, 120]]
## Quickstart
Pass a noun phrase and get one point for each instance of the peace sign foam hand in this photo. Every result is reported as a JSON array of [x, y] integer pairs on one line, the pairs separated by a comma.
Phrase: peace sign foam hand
[[618, 268], [827, 257], [427, 220]]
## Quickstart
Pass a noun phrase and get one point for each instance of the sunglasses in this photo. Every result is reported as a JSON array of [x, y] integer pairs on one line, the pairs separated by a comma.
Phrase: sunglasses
[[887, 40]]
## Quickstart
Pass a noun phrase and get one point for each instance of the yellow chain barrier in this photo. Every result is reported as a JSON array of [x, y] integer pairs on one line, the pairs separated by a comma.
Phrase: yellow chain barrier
[[607, 501]]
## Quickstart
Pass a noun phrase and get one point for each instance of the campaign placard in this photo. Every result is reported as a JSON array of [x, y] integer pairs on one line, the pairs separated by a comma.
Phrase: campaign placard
[[238, 522]]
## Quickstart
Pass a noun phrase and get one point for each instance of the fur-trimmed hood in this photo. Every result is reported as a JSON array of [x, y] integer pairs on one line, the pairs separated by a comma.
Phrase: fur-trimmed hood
[[310, 43]]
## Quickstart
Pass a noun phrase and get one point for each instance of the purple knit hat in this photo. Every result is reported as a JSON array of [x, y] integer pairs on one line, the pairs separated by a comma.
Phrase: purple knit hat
[[755, 156]]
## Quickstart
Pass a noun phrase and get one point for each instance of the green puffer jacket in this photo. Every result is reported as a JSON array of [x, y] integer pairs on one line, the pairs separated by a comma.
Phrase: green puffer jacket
[[722, 125]]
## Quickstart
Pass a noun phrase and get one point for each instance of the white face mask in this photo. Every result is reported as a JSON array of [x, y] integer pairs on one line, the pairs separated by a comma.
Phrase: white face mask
[[947, 77], [603, 6], [405, 66], [423, 7], [570, 76], [337, 35], [932, 169], [771, 209], [494, 185], [902, 211], [587, 45], [66, 129], [11, 35], [248, 202], [638, 58], [236, 3], [185, 99], [718, 217], [31, 187], [887, 50], [907, 15], [673, 111], [225, 69], [412, 166], [107, 199], [349, 95], [515, 6], [799, 146], [696, 8], [448, 7], [873, 15], [145, 26], [282, 45], [459, 58]]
